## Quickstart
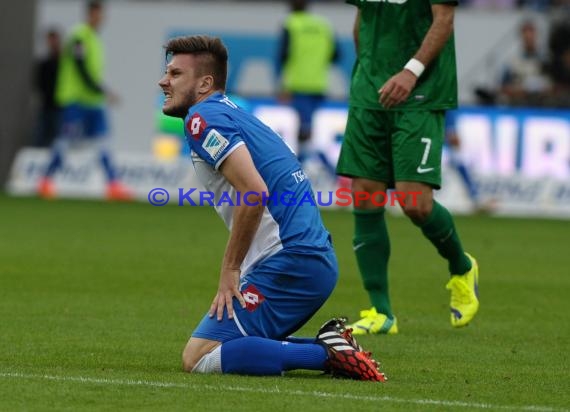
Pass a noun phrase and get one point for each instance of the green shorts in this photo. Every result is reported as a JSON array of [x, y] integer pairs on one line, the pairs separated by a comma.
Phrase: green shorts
[[393, 146]]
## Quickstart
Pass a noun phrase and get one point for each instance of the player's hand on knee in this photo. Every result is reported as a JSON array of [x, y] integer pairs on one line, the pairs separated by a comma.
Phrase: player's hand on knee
[[227, 290]]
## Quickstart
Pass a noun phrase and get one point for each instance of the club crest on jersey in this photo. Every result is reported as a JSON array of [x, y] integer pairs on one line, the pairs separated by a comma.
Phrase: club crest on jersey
[[253, 298], [196, 126], [214, 143]]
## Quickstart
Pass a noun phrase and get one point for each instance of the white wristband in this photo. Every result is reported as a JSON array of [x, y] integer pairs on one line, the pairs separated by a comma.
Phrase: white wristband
[[415, 66]]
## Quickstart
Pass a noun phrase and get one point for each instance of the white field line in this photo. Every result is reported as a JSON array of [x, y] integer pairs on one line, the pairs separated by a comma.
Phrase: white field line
[[276, 391]]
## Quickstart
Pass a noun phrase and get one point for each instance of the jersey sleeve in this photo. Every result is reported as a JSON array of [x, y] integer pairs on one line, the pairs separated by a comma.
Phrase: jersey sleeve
[[212, 135]]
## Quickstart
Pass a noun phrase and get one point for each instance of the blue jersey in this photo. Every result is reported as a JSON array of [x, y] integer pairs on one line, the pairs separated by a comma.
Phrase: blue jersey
[[214, 128]]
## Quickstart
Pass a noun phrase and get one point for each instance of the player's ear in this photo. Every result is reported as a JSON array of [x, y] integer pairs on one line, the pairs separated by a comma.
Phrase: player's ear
[[206, 83]]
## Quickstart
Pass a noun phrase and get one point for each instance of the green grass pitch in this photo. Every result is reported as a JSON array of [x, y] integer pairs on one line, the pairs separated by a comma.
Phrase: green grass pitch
[[97, 301]]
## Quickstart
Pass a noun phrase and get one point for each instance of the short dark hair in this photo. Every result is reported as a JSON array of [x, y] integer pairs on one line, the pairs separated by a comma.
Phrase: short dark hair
[[213, 51], [53, 32], [94, 5], [298, 5]]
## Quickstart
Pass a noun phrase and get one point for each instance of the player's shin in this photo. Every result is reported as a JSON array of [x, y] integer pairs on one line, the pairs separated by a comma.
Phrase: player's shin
[[253, 355]]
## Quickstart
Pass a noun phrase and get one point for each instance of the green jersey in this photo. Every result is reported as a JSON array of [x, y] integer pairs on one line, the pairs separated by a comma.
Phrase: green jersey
[[389, 35]]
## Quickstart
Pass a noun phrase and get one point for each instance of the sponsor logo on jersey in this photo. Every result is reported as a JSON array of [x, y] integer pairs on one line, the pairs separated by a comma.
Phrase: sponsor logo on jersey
[[253, 298], [196, 126], [299, 176], [214, 143]]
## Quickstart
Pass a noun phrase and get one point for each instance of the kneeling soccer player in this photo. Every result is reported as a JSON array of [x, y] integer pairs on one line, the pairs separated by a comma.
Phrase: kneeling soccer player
[[279, 265]]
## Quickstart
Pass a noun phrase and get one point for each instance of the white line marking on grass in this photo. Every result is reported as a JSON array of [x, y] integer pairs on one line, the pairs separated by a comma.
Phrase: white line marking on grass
[[275, 390]]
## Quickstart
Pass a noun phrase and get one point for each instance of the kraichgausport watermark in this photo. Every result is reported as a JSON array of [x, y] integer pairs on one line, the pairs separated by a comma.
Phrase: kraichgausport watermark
[[342, 197]]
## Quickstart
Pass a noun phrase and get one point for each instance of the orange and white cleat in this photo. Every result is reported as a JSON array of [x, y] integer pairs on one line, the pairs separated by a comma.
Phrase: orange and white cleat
[[116, 191], [46, 188]]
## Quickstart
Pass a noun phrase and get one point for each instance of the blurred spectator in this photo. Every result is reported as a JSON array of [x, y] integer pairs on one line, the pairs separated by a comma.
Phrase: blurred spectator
[[539, 5], [525, 82], [559, 67], [493, 4], [81, 93], [453, 145], [44, 82], [561, 4], [307, 49]]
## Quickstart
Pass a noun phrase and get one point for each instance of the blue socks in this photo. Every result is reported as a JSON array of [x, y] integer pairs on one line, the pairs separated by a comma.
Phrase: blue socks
[[252, 355], [54, 164], [57, 160], [469, 183], [106, 162], [293, 339]]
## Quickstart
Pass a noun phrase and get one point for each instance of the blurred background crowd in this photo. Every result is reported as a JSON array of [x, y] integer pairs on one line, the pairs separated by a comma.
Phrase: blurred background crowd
[[536, 72]]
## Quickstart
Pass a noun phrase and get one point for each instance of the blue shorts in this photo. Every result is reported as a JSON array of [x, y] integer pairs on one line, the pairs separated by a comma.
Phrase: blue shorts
[[282, 293], [83, 121], [305, 105]]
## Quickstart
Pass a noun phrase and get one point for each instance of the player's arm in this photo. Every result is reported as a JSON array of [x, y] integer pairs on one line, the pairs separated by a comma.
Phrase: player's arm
[[241, 173], [282, 57], [438, 34], [283, 54], [336, 54], [355, 30], [397, 89], [79, 59]]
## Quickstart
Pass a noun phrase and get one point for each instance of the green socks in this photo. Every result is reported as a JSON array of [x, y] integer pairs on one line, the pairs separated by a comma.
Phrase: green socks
[[372, 248], [440, 230]]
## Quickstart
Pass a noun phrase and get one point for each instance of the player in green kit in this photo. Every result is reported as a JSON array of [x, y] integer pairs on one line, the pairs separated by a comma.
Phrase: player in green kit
[[403, 80]]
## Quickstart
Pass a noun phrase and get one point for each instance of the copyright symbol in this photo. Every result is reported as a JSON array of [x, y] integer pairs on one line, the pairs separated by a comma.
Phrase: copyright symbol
[[158, 196]]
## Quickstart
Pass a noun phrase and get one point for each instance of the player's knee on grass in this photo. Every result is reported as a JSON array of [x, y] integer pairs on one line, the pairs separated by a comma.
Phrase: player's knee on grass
[[202, 355]]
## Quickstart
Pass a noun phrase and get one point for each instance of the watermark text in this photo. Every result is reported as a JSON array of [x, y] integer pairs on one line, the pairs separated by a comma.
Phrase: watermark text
[[342, 197]]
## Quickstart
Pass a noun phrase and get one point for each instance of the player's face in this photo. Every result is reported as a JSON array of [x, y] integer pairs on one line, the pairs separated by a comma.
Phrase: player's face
[[96, 17], [180, 85]]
